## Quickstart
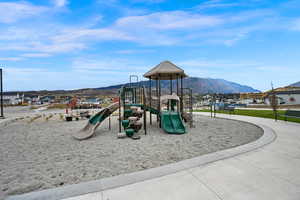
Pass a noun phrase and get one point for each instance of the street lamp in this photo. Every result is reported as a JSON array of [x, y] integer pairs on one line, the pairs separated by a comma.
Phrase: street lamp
[[1, 94]]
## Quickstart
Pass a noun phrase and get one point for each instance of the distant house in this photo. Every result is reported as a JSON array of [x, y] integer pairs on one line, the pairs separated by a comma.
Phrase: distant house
[[91, 100], [31, 99], [252, 98], [206, 100], [63, 99], [47, 99], [6, 102], [12, 99], [286, 96]]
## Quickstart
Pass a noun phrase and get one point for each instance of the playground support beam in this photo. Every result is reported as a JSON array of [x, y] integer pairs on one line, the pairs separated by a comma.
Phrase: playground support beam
[[171, 85], [109, 123], [145, 113], [191, 107], [171, 91], [1, 94], [177, 89], [150, 99], [159, 94], [177, 85], [120, 130], [215, 106], [157, 97], [125, 95], [181, 98], [190, 104]]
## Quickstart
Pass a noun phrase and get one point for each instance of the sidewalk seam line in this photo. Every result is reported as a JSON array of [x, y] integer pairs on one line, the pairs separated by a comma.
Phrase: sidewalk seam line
[[269, 173], [205, 185]]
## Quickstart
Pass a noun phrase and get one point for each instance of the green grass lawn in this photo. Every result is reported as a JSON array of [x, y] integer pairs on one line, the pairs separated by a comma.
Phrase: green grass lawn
[[256, 113]]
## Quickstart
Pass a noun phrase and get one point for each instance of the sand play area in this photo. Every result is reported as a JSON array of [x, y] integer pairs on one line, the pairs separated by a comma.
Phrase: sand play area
[[42, 154]]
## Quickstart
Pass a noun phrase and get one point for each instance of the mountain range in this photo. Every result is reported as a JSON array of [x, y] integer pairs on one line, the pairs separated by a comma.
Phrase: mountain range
[[297, 84], [198, 85]]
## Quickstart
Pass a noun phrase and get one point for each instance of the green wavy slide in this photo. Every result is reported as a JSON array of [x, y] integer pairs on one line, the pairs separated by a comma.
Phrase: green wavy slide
[[172, 123]]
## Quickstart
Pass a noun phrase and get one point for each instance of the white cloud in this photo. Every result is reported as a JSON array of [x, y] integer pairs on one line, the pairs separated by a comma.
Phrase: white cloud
[[182, 27], [142, 29], [240, 71], [14, 11], [95, 65], [235, 39], [223, 64], [44, 47], [216, 4], [137, 51], [60, 3], [115, 2], [129, 51], [26, 55], [168, 21], [35, 55], [106, 65], [14, 33], [107, 2], [23, 70], [148, 1], [91, 34], [246, 16], [88, 72], [59, 47], [28, 78], [10, 58], [155, 29], [295, 25]]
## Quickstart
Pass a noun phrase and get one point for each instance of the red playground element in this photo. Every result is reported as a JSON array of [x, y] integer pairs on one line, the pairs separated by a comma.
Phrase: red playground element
[[73, 103], [116, 99]]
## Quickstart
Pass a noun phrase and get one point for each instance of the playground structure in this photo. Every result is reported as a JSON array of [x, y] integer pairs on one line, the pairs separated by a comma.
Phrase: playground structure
[[172, 107]]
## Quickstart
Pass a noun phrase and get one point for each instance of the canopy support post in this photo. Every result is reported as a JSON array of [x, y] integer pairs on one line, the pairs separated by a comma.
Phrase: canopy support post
[[120, 114], [159, 108], [150, 99], [145, 113], [171, 85], [181, 98], [157, 98]]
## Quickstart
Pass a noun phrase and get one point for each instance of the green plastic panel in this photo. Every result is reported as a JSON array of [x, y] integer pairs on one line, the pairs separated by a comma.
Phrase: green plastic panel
[[127, 113], [177, 122], [172, 122], [99, 117], [129, 132], [125, 123]]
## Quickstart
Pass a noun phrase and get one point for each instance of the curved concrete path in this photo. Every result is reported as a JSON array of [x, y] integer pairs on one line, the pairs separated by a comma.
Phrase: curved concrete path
[[268, 172]]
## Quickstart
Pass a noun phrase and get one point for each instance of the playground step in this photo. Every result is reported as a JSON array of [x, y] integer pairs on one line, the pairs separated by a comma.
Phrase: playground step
[[127, 113], [125, 123], [129, 132]]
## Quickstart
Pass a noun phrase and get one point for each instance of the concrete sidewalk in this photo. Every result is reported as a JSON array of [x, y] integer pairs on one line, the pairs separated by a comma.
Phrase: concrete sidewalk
[[270, 172]]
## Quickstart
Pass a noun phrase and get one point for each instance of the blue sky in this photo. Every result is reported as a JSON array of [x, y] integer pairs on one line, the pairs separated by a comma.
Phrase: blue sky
[[68, 44]]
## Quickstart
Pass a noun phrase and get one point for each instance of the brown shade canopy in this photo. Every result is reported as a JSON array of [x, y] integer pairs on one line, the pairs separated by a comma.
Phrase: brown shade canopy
[[165, 71]]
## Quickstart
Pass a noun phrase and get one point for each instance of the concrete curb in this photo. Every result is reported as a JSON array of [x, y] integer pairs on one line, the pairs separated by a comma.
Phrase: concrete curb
[[139, 176], [6, 121]]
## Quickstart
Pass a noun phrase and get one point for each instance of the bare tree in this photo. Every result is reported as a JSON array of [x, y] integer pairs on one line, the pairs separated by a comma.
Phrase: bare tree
[[274, 102]]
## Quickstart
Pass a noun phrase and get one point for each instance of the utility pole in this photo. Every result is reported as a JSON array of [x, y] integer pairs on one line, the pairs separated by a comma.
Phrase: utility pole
[[1, 94]]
